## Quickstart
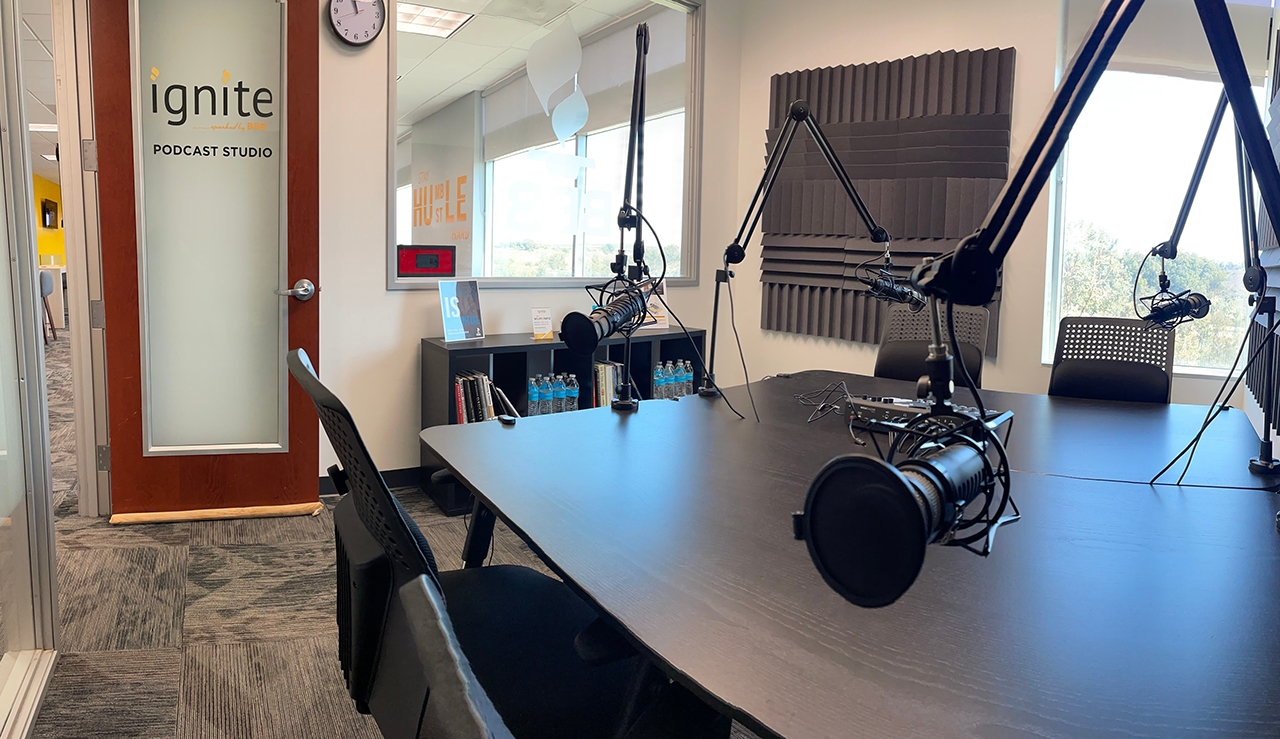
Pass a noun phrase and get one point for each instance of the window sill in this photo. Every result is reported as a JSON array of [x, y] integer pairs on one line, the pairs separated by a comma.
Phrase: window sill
[[1196, 373], [523, 283]]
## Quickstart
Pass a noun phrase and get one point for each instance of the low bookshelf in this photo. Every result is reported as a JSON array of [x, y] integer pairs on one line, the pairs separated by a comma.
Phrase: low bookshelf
[[511, 359]]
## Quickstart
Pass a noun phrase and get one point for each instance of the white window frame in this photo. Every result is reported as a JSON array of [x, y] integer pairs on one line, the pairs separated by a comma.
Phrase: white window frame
[[1053, 266], [578, 260], [695, 43]]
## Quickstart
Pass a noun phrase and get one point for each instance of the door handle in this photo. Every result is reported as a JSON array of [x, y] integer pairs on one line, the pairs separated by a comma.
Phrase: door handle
[[303, 290]]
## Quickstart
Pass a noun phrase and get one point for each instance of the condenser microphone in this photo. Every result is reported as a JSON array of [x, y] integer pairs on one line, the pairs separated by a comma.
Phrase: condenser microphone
[[867, 523], [884, 287], [1186, 306], [582, 334]]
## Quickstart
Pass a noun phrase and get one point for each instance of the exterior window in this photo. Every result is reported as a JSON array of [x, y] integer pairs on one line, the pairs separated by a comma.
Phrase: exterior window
[[1127, 166], [555, 207]]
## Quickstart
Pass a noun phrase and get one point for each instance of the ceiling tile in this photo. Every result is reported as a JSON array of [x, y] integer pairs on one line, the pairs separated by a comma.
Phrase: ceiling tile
[[47, 98], [456, 60], [416, 46], [486, 30], [616, 8], [484, 77], [37, 71], [460, 6], [33, 50], [508, 60], [524, 43], [38, 113], [37, 7], [585, 20], [41, 24], [537, 12], [414, 89]]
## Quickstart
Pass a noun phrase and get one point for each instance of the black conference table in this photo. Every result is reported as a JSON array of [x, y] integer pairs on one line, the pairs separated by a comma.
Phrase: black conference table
[[1112, 609]]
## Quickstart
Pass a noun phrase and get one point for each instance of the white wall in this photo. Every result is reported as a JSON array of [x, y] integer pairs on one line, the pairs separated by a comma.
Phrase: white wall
[[369, 336], [800, 34]]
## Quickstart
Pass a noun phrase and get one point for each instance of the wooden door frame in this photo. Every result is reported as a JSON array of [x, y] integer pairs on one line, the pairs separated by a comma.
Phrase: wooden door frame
[[223, 488]]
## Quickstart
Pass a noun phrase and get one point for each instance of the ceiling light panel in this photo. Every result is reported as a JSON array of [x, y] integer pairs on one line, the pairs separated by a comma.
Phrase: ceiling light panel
[[50, 157], [429, 21]]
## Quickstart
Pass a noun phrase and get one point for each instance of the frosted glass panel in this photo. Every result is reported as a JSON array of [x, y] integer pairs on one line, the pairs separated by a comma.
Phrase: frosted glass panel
[[211, 108]]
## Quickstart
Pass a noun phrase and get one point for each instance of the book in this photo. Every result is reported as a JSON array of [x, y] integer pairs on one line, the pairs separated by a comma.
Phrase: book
[[487, 385], [508, 407], [459, 403]]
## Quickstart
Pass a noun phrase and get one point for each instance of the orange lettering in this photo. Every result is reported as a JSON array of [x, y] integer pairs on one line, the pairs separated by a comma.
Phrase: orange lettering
[[462, 198]]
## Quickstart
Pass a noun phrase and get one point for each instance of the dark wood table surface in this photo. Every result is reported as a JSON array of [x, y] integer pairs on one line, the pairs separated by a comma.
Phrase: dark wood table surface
[[1096, 440], [1110, 610]]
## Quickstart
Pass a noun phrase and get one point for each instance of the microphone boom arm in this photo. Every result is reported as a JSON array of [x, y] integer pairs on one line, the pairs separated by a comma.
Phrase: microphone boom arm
[[1169, 249], [735, 252], [967, 276]]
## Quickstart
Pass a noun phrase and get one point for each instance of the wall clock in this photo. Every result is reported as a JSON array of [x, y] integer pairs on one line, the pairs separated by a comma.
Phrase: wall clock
[[357, 22]]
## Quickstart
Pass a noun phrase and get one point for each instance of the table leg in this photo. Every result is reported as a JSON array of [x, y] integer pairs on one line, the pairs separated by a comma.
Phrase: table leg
[[479, 536]]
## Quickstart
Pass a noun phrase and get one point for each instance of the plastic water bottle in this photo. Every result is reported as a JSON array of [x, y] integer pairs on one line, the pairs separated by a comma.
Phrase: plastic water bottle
[[533, 396], [545, 391], [558, 393], [673, 389], [683, 376], [571, 393], [688, 378], [659, 383]]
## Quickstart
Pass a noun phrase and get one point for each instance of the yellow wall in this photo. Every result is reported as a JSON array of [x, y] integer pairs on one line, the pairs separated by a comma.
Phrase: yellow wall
[[49, 240]]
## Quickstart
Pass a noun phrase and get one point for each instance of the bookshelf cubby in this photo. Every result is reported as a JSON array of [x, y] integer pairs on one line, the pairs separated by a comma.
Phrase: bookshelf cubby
[[510, 360]]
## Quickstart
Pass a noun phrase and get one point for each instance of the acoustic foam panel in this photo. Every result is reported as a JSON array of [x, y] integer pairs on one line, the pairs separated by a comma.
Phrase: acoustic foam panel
[[925, 141]]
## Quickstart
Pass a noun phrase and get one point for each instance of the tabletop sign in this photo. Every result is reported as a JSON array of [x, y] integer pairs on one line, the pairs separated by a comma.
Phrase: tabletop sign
[[542, 328], [460, 307], [209, 120]]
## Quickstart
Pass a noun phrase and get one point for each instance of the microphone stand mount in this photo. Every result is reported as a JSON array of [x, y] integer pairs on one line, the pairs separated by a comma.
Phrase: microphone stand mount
[[735, 252]]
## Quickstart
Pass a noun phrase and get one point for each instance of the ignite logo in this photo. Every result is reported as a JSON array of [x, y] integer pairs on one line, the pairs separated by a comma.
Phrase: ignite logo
[[176, 96]]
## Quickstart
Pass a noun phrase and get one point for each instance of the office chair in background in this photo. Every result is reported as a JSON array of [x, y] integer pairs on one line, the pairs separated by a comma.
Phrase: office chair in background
[[480, 652], [46, 289], [907, 335], [1113, 359]]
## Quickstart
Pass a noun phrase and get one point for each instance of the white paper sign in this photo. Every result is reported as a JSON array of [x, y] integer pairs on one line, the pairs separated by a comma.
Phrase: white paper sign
[[210, 149], [542, 328]]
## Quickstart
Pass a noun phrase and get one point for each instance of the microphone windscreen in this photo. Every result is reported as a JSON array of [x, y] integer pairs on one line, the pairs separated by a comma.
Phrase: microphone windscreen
[[1199, 305], [865, 532], [578, 333]]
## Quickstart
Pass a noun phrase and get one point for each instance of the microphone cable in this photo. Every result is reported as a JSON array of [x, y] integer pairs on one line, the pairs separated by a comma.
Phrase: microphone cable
[[1215, 409], [733, 321], [694, 345], [964, 371]]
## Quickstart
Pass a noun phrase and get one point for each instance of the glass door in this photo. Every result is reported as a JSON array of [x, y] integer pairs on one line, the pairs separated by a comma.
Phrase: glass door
[[27, 571]]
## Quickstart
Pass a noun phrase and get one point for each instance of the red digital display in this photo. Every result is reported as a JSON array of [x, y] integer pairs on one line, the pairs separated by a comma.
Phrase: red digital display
[[425, 261]]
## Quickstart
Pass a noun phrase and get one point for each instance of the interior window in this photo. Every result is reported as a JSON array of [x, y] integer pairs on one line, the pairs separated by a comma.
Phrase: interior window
[[484, 171]]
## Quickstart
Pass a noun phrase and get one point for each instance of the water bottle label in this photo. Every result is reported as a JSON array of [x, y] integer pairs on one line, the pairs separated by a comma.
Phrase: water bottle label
[[573, 393]]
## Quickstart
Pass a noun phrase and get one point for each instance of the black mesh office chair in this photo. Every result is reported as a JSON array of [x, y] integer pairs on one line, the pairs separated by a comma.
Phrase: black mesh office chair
[[907, 335], [1113, 359], [482, 652]]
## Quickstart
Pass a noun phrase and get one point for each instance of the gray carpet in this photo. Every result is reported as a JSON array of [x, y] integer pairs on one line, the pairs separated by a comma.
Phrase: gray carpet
[[211, 629]]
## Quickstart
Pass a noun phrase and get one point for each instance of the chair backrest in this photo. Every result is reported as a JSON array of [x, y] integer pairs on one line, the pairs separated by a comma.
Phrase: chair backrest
[[425, 686], [904, 344], [1113, 359], [46, 283], [379, 511], [421, 684]]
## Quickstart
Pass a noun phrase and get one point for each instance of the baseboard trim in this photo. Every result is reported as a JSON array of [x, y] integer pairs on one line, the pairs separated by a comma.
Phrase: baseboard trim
[[211, 514], [403, 478]]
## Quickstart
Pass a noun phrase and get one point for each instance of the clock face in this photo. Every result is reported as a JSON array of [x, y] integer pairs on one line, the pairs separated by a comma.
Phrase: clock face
[[357, 22]]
